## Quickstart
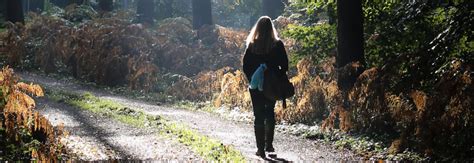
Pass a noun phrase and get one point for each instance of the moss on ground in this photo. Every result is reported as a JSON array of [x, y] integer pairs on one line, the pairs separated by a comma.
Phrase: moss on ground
[[208, 148]]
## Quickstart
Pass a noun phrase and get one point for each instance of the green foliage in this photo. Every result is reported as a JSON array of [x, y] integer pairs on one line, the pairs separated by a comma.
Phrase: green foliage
[[17, 149], [421, 46], [316, 42], [314, 32], [209, 148], [417, 41], [103, 107], [53, 10], [310, 13]]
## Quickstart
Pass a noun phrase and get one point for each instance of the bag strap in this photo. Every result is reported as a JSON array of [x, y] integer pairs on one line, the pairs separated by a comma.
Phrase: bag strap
[[283, 97]]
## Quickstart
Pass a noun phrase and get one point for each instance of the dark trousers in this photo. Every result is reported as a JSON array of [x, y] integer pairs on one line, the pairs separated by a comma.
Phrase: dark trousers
[[263, 108]]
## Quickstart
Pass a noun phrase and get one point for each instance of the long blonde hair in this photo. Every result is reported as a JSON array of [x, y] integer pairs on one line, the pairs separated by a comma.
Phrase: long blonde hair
[[262, 36]]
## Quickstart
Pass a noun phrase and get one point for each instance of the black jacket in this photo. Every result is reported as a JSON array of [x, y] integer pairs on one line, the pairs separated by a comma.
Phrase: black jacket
[[275, 60]]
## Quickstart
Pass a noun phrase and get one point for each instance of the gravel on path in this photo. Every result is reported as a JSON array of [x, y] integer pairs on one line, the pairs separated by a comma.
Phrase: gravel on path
[[94, 137], [238, 134]]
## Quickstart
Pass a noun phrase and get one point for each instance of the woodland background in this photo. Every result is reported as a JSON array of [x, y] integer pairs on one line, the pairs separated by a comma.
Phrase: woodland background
[[412, 86]]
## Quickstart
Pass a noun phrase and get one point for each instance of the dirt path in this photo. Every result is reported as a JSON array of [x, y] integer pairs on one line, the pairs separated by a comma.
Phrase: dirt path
[[93, 137], [240, 135]]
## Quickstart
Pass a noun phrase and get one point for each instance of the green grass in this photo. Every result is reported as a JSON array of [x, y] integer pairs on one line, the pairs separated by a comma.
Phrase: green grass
[[208, 148]]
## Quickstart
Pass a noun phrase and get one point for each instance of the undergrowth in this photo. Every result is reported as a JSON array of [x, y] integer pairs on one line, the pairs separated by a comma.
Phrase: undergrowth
[[24, 133], [367, 146], [206, 147]]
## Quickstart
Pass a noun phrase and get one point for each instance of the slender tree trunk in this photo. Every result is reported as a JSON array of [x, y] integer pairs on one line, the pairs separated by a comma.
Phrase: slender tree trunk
[[60, 3], [202, 13], [350, 38], [3, 9], [24, 4], [77, 2], [165, 9], [14, 11], [106, 5], [125, 4], [146, 11], [36, 5], [273, 8]]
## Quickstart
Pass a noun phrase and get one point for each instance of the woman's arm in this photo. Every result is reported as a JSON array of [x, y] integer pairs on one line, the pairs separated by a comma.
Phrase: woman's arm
[[283, 57], [245, 64]]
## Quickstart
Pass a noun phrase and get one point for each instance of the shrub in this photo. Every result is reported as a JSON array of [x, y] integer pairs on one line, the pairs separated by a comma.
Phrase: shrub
[[316, 42], [29, 134]]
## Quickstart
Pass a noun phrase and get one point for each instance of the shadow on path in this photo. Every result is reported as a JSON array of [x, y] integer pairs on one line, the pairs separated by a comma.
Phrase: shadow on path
[[238, 134], [86, 126]]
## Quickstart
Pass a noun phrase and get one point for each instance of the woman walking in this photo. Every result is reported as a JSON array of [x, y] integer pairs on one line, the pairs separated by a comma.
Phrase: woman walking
[[264, 47]]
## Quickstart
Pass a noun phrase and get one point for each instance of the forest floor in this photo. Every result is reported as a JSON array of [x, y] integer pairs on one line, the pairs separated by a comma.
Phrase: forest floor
[[96, 137]]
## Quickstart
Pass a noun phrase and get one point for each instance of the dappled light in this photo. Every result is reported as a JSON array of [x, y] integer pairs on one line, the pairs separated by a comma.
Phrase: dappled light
[[170, 80]]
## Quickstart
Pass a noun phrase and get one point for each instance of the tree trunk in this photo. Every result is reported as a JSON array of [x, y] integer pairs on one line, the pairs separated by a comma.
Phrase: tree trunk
[[165, 9], [273, 8], [202, 13], [350, 39], [36, 5], [146, 11], [60, 3], [24, 4], [106, 5], [125, 4], [14, 11], [3, 9], [77, 2]]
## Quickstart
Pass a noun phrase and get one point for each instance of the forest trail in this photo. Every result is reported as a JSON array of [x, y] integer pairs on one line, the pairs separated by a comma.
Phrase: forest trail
[[129, 140], [94, 137]]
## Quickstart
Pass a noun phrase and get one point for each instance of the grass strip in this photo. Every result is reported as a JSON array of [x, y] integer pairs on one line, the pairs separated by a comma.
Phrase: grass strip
[[208, 148]]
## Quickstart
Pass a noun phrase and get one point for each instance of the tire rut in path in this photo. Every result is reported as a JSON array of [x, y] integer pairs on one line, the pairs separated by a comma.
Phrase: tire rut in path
[[240, 135]]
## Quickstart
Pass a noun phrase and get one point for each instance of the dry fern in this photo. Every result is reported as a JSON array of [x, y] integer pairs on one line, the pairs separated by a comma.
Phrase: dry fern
[[18, 113]]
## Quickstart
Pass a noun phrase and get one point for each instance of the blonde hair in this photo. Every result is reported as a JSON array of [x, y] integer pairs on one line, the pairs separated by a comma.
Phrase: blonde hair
[[262, 36]]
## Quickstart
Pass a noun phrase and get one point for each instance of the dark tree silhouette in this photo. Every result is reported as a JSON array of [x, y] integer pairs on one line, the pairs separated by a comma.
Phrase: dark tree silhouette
[[350, 41], [32, 5], [202, 13], [146, 11], [64, 3], [273, 8], [3, 9], [165, 9], [106, 5], [14, 11], [125, 4], [78, 2], [60, 3]]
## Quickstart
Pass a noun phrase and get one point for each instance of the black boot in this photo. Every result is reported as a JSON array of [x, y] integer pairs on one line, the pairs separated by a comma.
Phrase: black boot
[[269, 133], [260, 139]]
